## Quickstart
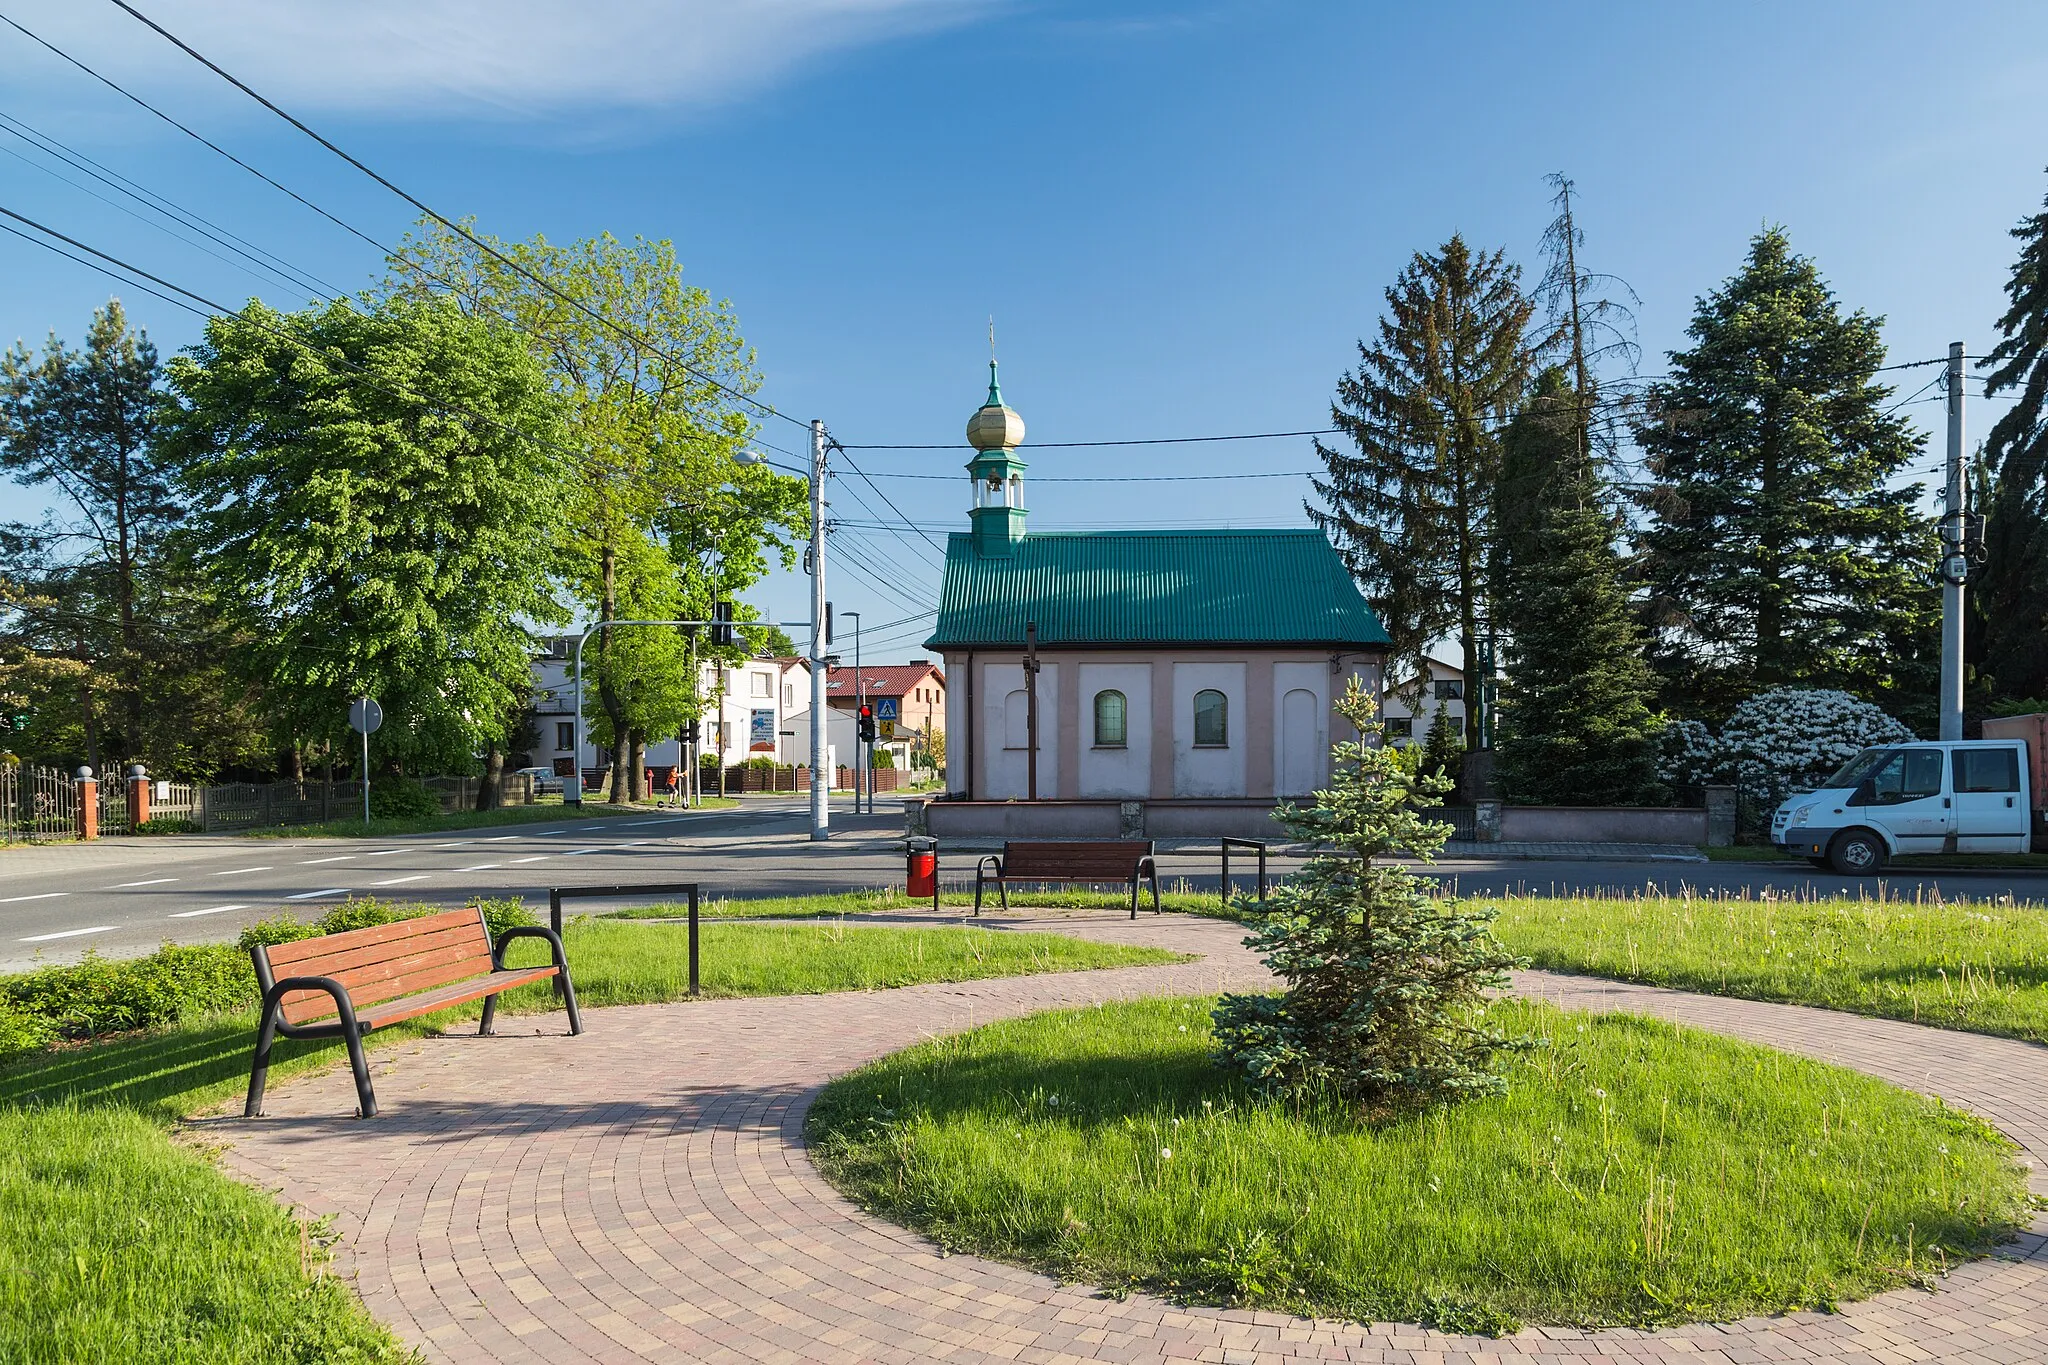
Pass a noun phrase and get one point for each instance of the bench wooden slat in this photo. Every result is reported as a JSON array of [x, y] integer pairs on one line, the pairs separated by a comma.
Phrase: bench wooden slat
[[457, 993], [375, 982], [289, 955], [470, 937], [1073, 860]]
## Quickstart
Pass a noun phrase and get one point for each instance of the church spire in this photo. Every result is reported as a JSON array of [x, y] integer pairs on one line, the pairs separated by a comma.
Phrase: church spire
[[995, 431]]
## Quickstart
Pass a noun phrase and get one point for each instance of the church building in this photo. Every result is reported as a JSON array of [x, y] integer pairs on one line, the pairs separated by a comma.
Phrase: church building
[[1185, 679]]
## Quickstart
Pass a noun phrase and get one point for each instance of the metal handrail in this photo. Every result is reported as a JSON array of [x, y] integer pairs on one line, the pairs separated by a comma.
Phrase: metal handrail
[[558, 894], [1257, 846]]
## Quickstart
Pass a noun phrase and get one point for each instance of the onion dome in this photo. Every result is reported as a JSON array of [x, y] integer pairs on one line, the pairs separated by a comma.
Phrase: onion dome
[[993, 425]]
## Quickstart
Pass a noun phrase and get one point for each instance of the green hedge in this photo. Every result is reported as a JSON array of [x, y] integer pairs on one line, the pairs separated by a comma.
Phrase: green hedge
[[401, 798], [176, 983], [167, 824]]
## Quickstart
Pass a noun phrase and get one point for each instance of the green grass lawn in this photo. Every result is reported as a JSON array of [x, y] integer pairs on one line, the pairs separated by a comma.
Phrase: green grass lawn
[[119, 1245], [174, 1261], [1635, 1172], [1981, 966]]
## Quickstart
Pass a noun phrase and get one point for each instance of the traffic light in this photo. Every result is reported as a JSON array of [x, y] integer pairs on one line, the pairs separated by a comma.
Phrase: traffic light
[[867, 725], [721, 624]]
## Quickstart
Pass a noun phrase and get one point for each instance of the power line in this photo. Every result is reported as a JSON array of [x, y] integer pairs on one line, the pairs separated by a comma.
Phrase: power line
[[1122, 478], [628, 333], [883, 496], [250, 263]]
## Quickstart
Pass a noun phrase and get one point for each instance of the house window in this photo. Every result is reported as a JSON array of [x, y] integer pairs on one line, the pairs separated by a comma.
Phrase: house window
[[565, 734], [1400, 727], [1450, 689], [1109, 720], [764, 686], [1212, 719], [789, 696]]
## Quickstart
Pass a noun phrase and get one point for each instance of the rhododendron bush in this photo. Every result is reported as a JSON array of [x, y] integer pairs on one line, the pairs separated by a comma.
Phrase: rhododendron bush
[[1776, 743]]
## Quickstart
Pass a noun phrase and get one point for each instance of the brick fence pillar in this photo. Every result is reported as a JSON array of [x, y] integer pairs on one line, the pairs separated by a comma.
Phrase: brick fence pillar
[[88, 805], [138, 797]]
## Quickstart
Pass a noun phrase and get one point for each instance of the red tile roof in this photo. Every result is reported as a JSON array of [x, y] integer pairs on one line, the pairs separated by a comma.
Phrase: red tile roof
[[890, 680]]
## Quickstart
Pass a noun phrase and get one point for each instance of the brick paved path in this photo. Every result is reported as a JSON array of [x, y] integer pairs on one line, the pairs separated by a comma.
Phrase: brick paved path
[[642, 1193]]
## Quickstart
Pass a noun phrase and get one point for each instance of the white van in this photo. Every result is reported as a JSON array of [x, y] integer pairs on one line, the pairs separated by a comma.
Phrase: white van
[[1965, 796]]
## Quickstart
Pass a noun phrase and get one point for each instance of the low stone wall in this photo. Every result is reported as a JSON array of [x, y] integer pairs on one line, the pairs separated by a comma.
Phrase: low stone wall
[[1599, 825], [1017, 819]]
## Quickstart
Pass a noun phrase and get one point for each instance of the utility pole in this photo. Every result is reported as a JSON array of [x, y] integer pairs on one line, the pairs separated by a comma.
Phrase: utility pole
[[1955, 564], [1031, 710], [821, 779]]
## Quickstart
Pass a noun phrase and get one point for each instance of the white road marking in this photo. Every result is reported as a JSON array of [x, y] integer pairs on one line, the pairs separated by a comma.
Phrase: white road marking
[[500, 838], [570, 854], [416, 877], [315, 895], [66, 933], [238, 871], [635, 824], [544, 833], [39, 896], [536, 858], [456, 844], [337, 858], [153, 881], [384, 853], [209, 910], [479, 867], [632, 843]]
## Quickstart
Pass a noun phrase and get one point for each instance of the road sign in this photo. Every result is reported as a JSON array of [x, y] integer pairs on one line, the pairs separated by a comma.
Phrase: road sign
[[886, 708], [364, 716], [885, 730]]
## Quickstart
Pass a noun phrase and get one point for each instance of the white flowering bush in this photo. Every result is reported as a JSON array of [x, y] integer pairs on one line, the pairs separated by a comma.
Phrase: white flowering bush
[[1776, 743]]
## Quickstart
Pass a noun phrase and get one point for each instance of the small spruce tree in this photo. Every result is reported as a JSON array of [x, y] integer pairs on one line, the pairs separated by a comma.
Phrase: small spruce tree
[[1386, 982]]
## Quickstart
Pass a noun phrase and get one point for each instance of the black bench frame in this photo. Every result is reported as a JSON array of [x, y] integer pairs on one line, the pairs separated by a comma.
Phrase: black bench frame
[[1142, 867], [346, 1027]]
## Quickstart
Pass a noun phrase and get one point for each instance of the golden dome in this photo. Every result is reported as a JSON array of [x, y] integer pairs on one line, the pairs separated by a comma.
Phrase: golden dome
[[995, 426]]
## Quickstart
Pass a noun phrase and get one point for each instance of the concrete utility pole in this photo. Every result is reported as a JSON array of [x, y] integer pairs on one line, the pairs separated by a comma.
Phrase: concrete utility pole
[[821, 778], [1955, 564]]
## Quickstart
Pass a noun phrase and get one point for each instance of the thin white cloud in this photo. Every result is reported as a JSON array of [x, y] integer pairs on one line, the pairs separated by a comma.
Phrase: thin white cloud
[[541, 60]]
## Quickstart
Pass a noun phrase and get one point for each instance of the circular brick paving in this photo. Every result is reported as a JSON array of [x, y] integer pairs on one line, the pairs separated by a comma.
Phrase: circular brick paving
[[642, 1192]]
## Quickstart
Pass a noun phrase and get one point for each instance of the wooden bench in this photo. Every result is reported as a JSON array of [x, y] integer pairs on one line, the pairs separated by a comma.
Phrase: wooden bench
[[1090, 861], [344, 985]]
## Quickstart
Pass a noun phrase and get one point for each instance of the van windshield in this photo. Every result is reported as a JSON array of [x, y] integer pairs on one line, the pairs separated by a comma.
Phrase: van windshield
[[1856, 769]]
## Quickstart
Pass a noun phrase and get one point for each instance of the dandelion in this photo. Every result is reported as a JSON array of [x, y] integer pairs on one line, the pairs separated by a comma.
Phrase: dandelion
[[1166, 1153], [1598, 1093]]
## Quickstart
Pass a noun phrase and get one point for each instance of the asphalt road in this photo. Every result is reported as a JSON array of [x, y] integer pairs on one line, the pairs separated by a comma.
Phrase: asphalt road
[[125, 896]]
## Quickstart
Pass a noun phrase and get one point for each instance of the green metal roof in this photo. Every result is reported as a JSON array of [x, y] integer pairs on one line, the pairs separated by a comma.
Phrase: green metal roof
[[1185, 588]]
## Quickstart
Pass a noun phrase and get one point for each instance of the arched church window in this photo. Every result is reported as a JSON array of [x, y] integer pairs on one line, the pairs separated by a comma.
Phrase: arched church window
[[1109, 720], [1212, 719]]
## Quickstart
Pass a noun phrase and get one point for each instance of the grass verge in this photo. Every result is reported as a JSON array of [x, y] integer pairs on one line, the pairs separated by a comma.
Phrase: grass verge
[[116, 1243], [872, 902], [1960, 862], [386, 825], [1634, 1173], [1980, 966]]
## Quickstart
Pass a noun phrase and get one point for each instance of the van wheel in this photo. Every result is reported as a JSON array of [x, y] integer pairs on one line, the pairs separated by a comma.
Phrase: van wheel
[[1856, 853]]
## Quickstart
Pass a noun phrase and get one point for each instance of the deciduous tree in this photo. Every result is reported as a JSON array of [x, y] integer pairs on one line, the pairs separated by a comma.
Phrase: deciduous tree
[[375, 503]]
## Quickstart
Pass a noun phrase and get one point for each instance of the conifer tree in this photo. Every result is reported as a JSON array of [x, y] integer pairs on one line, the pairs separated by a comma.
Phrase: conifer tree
[[1386, 980], [2011, 594], [1779, 552], [1577, 719], [1411, 508]]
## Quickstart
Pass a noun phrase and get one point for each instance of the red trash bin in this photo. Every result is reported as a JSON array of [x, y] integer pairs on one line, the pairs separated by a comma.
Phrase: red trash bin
[[921, 870]]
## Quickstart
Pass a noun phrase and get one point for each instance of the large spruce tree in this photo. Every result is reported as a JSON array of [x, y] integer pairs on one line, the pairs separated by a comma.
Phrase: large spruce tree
[[2011, 594], [1578, 705], [1780, 552], [1411, 506]]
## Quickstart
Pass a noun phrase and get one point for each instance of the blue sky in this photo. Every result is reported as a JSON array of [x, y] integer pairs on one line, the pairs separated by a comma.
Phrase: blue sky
[[1181, 216]]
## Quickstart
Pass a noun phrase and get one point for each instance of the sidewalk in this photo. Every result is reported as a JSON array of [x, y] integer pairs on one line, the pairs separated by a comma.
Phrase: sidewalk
[[1466, 849]]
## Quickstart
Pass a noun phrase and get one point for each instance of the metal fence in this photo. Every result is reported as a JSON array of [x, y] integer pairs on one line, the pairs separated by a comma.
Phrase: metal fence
[[36, 803]]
